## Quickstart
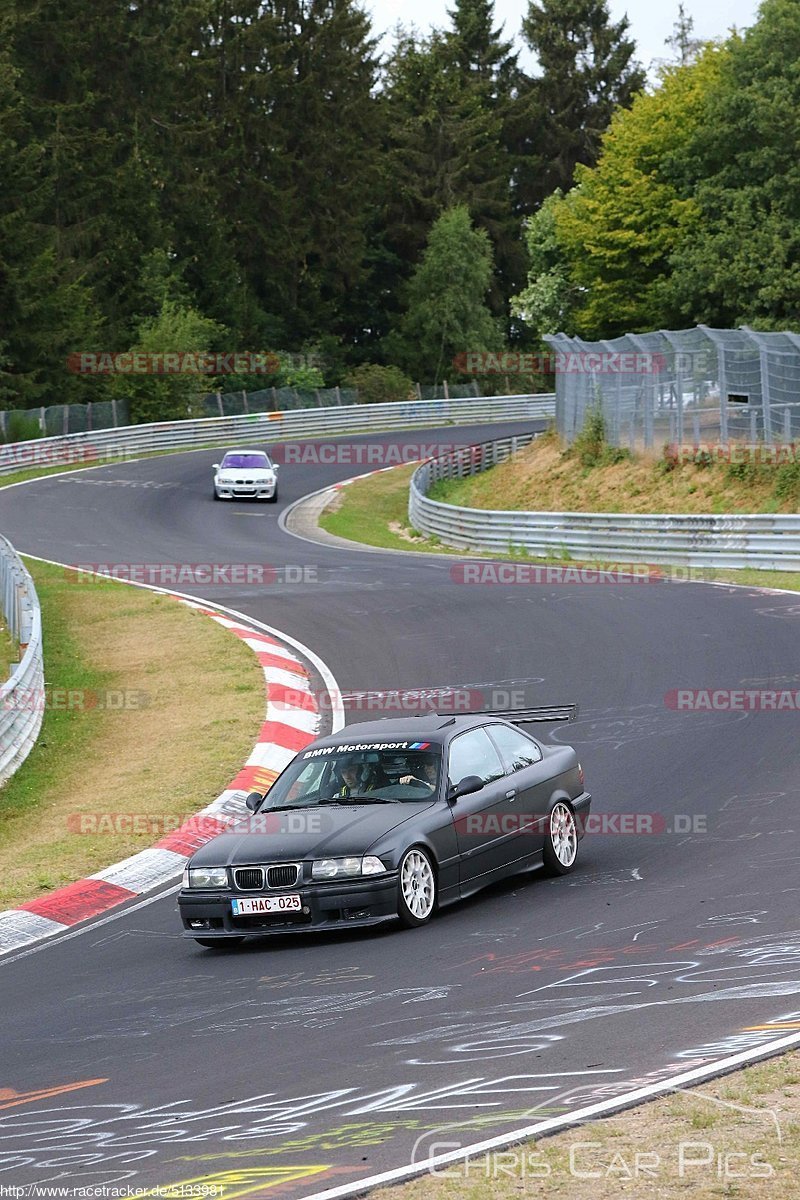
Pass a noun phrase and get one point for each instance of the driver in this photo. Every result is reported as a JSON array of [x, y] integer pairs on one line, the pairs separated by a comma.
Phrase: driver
[[427, 773], [354, 777]]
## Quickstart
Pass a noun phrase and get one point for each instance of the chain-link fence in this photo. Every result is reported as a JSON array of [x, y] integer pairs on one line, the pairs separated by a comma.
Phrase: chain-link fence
[[56, 420], [688, 386], [287, 399]]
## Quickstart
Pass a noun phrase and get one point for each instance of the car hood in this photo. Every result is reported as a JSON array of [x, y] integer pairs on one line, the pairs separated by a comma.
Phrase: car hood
[[326, 832]]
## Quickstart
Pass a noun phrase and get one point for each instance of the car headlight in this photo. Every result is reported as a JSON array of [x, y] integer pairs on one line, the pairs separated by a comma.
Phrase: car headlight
[[205, 877], [346, 868], [225, 480]]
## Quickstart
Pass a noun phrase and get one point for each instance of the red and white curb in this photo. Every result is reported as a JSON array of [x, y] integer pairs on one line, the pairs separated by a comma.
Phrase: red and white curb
[[292, 721]]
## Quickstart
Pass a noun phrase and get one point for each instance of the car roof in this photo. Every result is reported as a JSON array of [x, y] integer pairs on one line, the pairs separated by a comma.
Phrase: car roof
[[246, 450], [437, 728]]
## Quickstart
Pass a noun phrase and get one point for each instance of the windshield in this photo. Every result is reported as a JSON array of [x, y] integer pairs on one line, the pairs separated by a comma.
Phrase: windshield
[[360, 777], [246, 461]]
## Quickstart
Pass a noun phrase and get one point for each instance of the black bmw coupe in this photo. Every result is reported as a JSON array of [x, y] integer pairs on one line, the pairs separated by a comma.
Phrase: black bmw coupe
[[389, 820]]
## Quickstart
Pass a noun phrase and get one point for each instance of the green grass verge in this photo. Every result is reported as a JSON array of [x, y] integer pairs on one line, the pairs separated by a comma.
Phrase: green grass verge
[[151, 710], [591, 476], [374, 512]]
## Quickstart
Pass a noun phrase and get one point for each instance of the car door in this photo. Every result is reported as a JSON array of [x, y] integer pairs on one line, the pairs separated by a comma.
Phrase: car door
[[527, 794], [478, 817]]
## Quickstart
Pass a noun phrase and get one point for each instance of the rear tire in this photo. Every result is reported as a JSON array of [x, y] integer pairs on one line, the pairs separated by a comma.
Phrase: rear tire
[[561, 840], [416, 889]]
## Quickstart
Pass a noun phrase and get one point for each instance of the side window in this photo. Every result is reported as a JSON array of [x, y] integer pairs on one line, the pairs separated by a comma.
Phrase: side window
[[516, 749], [473, 754]]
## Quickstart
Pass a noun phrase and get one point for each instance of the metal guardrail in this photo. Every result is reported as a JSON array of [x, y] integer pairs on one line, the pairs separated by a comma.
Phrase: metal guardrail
[[22, 695], [267, 427], [768, 541]]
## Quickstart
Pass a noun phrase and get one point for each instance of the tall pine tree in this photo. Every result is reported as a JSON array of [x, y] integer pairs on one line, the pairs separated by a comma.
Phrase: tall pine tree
[[448, 98], [586, 71]]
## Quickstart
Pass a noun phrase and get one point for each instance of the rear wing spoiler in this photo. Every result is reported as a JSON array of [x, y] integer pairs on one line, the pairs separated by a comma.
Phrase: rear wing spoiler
[[527, 716]]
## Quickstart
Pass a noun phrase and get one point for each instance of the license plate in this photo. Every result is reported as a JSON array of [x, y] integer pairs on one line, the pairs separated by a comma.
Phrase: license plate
[[266, 904]]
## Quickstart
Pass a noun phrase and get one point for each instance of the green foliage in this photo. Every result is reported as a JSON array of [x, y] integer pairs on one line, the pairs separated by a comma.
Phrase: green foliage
[[298, 375], [586, 70], [546, 304], [448, 100], [379, 385], [612, 455], [787, 482], [22, 428], [742, 168], [446, 312], [746, 472], [629, 211], [692, 212], [589, 445], [168, 397]]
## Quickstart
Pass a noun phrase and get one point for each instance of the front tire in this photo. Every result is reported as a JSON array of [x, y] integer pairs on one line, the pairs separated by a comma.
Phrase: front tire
[[215, 494], [561, 840], [416, 889], [273, 499]]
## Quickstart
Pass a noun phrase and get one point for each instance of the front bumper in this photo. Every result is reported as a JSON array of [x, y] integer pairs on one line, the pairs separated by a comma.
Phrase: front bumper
[[345, 905], [246, 492]]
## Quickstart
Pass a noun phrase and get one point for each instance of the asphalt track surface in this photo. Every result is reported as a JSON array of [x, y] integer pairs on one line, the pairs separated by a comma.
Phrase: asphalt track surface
[[293, 1066]]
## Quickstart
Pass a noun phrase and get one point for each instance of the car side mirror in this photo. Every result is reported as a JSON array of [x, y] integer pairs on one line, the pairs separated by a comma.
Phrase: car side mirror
[[276, 466], [468, 785], [215, 466], [253, 801]]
